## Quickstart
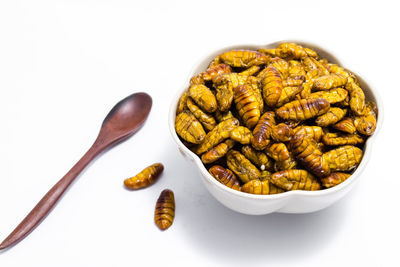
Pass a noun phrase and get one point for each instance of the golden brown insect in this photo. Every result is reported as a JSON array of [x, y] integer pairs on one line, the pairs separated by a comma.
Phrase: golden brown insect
[[277, 151], [281, 66], [217, 152], [241, 166], [146, 177], [303, 109], [272, 86], [366, 124], [221, 116], [257, 157], [281, 133], [312, 65], [253, 83], [244, 58], [182, 103], [308, 154], [189, 128], [211, 72], [294, 81], [225, 176], [224, 84], [294, 51], [246, 105], [330, 81], [287, 164], [314, 132], [258, 187], [339, 139], [334, 179], [263, 130], [306, 92], [334, 95], [357, 98], [241, 134], [288, 94], [295, 179], [346, 125], [265, 176], [250, 71], [343, 158], [296, 69], [217, 135], [334, 68], [165, 210], [331, 117], [206, 120], [203, 97]]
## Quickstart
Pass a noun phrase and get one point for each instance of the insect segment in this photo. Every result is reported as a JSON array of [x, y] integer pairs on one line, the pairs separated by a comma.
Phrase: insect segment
[[357, 98], [224, 85], [241, 134], [306, 92], [287, 164], [288, 94], [272, 86], [217, 152], [258, 158], [211, 72], [221, 116], [250, 71], [294, 81], [314, 132], [165, 210], [263, 130], [296, 69], [346, 125], [329, 81], [253, 83], [339, 139], [295, 51], [225, 176], [308, 154], [203, 97], [146, 177], [331, 117], [189, 128], [247, 105], [217, 135], [244, 58], [333, 96], [261, 188], [282, 133], [303, 109], [334, 179], [295, 179], [182, 103], [314, 66], [366, 124], [334, 68], [241, 166], [281, 66], [277, 151], [344, 158], [206, 120], [265, 176]]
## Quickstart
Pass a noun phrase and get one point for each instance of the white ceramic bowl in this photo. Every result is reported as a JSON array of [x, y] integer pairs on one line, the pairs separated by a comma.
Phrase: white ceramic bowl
[[288, 202]]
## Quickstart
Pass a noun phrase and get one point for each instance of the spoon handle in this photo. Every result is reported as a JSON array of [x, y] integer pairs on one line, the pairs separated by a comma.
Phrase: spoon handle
[[39, 212]]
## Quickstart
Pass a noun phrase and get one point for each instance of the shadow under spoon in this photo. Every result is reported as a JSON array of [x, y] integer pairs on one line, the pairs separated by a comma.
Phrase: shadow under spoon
[[126, 118]]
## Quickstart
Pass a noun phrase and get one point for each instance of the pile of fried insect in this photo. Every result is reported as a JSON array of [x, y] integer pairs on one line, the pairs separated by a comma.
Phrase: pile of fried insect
[[165, 207], [274, 120]]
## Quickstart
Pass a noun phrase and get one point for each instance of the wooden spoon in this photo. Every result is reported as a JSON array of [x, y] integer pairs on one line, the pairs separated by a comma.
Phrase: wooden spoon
[[124, 120]]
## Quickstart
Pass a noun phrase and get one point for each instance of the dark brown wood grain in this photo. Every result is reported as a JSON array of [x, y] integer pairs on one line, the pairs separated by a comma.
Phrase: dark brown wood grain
[[122, 121]]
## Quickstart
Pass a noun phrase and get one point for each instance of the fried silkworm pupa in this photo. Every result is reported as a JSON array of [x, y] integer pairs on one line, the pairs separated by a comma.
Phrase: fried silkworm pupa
[[339, 139], [281, 66], [244, 58], [210, 73], [357, 98], [288, 94], [146, 177], [282, 133], [182, 103], [259, 158], [253, 83], [203, 97], [306, 92], [366, 124], [189, 128], [334, 179], [334, 68], [277, 151], [206, 120], [165, 210], [312, 65], [292, 81], [295, 179], [221, 116], [333, 96], [250, 71], [246, 105], [308, 154], [217, 135], [224, 84], [303, 109], [258, 187], [346, 125], [344, 158], [241, 166], [272, 86], [241, 134], [314, 132], [263, 130], [217, 152], [329, 81], [287, 164], [331, 117], [296, 69], [225, 176], [294, 51]]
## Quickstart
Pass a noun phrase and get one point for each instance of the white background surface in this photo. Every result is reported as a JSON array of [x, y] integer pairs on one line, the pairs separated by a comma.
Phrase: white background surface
[[64, 64]]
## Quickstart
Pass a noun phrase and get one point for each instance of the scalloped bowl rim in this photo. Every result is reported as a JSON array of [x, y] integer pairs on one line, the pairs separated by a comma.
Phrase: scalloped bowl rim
[[196, 159]]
